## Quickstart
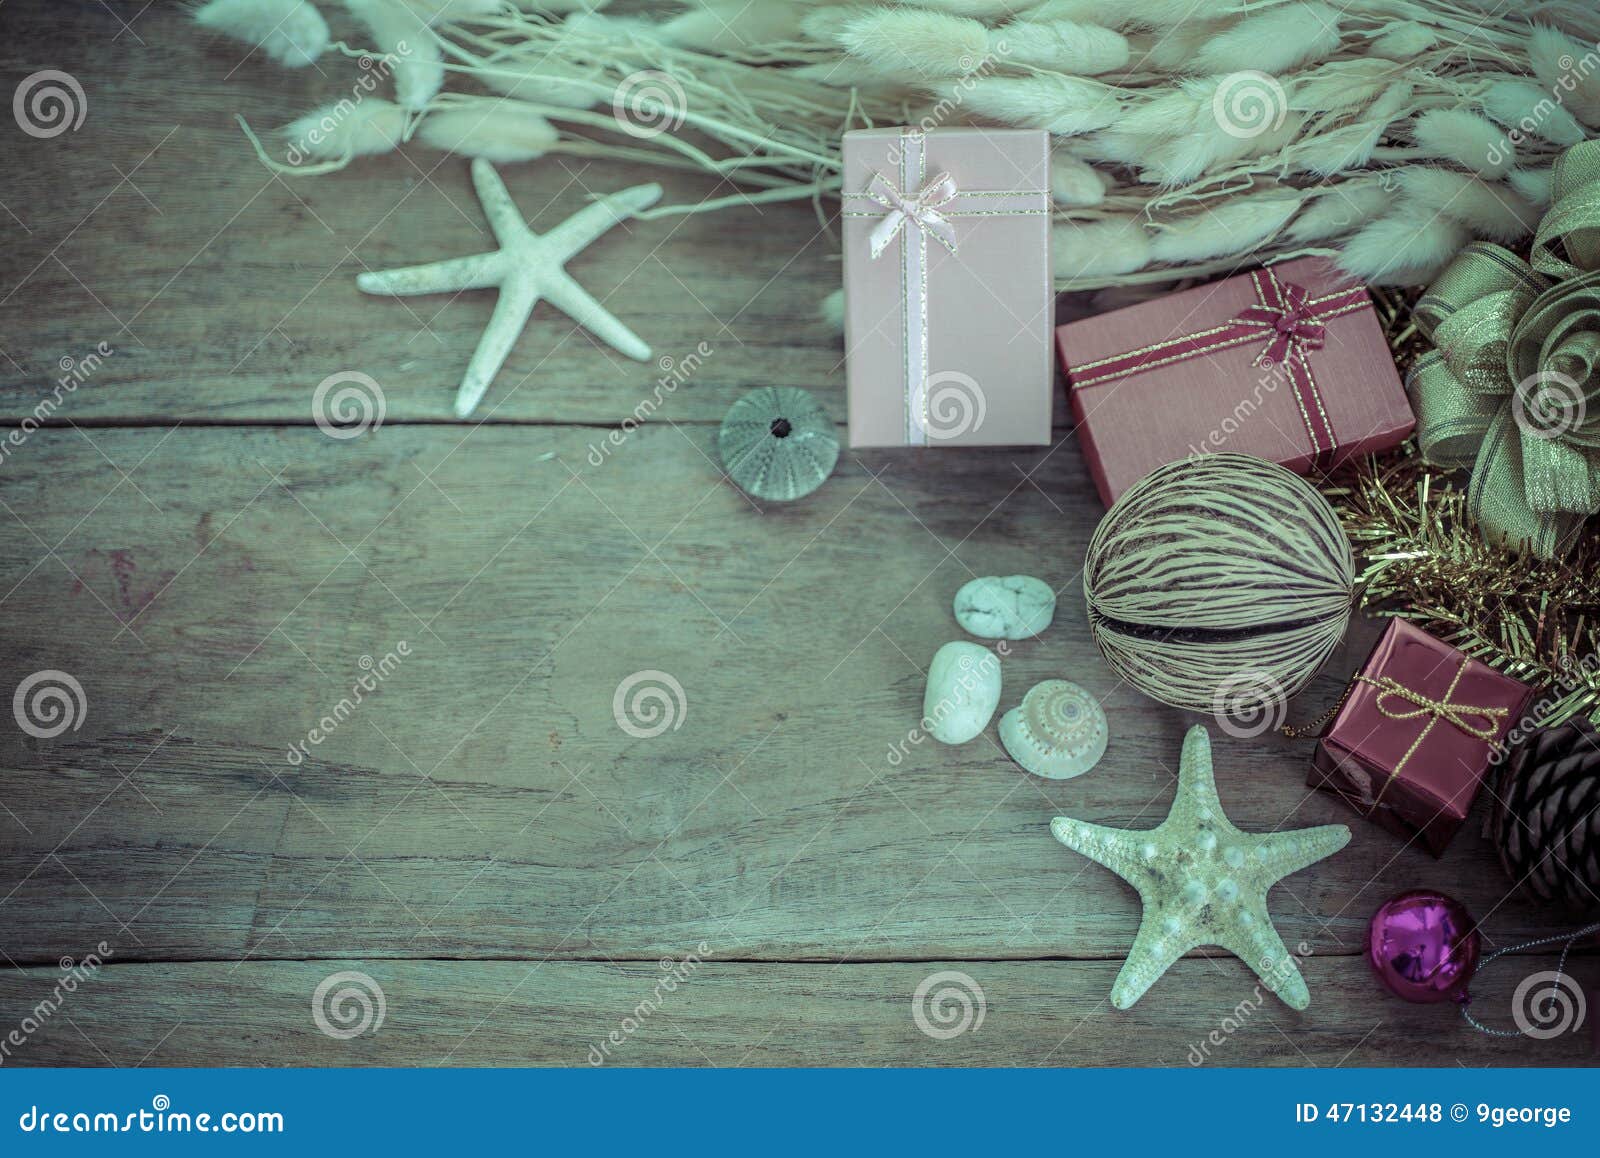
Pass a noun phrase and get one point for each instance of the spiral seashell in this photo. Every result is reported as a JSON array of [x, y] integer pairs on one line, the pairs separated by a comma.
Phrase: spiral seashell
[[1214, 566], [1058, 731]]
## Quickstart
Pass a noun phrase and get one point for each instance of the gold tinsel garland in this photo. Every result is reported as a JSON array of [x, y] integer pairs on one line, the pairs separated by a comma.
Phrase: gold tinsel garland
[[1420, 557]]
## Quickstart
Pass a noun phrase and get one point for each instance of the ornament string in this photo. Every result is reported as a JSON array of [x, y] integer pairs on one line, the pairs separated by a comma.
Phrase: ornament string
[[1567, 940]]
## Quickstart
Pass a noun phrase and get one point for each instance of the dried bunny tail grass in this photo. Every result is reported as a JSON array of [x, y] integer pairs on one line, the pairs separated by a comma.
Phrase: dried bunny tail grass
[[1465, 138], [1229, 228], [1529, 110], [977, 9], [1493, 211], [1340, 85], [1160, 14], [1403, 40], [1074, 182], [915, 44], [1275, 41], [496, 129], [292, 32], [1098, 249], [1077, 49], [1106, 13], [1065, 105], [403, 36], [1173, 113], [1340, 209], [438, 11], [1351, 146], [334, 135], [547, 81], [1176, 137], [1566, 67], [824, 23], [734, 26], [1532, 185], [560, 6], [1178, 162], [1170, 50], [1408, 247], [624, 29], [831, 312]]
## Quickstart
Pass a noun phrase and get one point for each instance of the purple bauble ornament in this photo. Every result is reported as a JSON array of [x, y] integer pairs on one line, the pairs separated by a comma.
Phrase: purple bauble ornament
[[1423, 946]]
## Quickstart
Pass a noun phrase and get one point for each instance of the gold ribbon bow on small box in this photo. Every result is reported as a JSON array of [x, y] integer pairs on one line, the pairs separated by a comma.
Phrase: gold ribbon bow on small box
[[1393, 696], [1512, 389]]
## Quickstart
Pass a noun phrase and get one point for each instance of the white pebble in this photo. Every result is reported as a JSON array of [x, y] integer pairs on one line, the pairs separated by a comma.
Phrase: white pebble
[[963, 692]]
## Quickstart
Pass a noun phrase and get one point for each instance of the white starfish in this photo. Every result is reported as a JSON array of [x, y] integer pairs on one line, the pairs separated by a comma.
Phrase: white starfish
[[526, 267], [1202, 881]]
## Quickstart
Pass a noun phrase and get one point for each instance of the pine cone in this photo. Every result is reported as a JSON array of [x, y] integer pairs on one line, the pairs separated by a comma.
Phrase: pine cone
[[1547, 822]]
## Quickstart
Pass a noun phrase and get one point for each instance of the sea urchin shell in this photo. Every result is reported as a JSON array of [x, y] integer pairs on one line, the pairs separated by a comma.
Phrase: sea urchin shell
[[778, 443]]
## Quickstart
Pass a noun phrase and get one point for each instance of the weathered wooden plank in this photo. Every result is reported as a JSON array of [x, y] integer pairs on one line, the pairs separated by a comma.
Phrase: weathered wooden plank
[[1205, 1012], [482, 799], [228, 293]]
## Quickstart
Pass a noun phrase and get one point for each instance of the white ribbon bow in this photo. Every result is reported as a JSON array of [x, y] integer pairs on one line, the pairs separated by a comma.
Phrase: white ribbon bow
[[921, 209]]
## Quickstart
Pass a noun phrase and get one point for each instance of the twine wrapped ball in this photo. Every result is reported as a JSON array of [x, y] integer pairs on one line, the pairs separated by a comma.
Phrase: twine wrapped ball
[[1219, 580]]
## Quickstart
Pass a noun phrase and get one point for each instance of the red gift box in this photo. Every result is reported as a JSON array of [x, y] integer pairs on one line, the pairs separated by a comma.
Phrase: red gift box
[[1288, 363], [1416, 734]]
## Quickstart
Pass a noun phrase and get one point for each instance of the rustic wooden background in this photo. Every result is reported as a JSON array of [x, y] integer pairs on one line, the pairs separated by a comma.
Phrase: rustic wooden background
[[480, 837]]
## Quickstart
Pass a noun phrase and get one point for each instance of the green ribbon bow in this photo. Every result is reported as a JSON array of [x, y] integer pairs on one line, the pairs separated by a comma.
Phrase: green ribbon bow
[[1512, 389]]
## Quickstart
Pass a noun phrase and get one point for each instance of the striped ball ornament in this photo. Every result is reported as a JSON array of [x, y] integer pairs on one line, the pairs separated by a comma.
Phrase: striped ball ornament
[[1219, 584]]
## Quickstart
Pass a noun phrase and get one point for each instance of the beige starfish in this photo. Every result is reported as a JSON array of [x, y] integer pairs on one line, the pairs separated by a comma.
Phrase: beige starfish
[[1202, 881], [527, 266]]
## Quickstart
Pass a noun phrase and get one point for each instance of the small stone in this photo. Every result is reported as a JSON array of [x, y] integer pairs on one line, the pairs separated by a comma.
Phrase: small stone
[[1013, 607], [963, 692]]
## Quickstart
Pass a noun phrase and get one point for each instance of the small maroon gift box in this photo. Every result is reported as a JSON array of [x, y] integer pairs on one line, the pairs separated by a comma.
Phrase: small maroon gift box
[[949, 303], [1288, 363], [1413, 740]]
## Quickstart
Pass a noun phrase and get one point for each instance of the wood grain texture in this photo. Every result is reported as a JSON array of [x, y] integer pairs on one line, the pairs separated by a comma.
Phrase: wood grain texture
[[1033, 1013], [212, 568], [228, 292]]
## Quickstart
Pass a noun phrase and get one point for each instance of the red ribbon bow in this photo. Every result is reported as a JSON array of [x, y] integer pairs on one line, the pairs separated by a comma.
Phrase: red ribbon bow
[[1287, 311]]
